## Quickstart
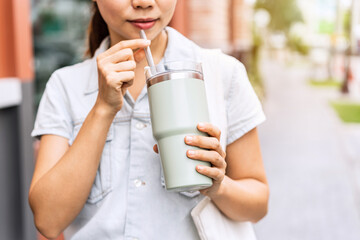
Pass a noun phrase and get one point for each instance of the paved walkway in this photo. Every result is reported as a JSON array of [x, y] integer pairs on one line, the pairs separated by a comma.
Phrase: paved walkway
[[312, 162]]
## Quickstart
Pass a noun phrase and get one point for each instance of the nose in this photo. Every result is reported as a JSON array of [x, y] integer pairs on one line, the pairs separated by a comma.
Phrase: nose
[[143, 4]]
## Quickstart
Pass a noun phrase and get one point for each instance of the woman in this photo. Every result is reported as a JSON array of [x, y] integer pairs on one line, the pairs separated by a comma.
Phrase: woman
[[97, 175]]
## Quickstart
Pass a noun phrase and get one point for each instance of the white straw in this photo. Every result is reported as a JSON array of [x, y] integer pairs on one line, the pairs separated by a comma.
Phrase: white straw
[[148, 55]]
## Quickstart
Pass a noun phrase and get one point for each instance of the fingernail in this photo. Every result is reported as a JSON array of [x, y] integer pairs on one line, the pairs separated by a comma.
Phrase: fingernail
[[191, 152], [147, 41], [200, 168], [189, 139], [201, 125]]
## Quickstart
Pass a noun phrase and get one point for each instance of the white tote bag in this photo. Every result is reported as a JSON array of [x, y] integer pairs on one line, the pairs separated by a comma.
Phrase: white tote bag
[[213, 225]]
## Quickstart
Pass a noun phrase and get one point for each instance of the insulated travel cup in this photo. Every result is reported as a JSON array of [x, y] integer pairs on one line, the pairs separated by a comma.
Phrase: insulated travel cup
[[178, 103]]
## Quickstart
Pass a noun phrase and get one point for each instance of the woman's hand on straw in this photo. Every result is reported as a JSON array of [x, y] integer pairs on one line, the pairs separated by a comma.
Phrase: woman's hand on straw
[[116, 72]]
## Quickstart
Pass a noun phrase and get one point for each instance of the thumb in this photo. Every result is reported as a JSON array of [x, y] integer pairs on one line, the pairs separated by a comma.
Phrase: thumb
[[123, 91], [155, 148], [139, 55]]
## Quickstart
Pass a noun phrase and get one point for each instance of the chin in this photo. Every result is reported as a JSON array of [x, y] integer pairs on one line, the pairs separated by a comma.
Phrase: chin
[[134, 33], [152, 33]]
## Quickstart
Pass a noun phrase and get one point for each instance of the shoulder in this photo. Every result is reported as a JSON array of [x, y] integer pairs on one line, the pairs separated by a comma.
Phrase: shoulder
[[74, 77], [180, 48], [226, 69], [219, 60]]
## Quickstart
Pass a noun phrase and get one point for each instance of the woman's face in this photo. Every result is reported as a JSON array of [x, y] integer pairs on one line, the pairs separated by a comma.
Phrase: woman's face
[[125, 18]]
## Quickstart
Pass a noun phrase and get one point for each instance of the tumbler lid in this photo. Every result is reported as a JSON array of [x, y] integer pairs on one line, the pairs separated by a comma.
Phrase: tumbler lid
[[172, 71]]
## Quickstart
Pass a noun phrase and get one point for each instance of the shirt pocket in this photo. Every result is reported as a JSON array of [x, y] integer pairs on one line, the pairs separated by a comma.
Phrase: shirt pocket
[[103, 181]]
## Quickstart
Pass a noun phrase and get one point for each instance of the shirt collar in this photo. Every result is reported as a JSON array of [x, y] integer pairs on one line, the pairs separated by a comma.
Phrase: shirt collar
[[92, 85], [179, 48]]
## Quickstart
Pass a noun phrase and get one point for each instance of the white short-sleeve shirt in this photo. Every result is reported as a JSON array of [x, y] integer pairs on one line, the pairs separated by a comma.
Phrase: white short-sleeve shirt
[[128, 199]]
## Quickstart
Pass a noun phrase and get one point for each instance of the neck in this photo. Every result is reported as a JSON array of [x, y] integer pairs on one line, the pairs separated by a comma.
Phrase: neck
[[158, 46]]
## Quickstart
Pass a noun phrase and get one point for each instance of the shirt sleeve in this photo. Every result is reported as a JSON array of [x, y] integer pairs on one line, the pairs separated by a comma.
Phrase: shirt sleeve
[[53, 116], [244, 111]]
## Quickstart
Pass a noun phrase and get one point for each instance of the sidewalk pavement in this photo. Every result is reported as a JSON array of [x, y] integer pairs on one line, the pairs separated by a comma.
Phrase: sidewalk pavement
[[312, 161]]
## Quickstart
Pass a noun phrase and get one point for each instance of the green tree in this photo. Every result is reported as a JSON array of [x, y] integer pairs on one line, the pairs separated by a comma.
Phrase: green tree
[[283, 13]]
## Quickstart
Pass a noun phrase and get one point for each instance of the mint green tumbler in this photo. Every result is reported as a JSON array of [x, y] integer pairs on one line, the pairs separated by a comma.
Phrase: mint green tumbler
[[178, 103]]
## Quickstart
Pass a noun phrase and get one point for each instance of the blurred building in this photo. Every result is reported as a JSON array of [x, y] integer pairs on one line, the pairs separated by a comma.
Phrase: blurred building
[[225, 24], [241, 24], [16, 120], [59, 31]]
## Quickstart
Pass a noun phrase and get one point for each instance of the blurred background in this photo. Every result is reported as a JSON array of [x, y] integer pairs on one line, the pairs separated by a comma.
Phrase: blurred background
[[302, 57]]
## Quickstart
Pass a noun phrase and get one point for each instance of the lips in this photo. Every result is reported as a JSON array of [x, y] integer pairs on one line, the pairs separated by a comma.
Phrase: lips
[[143, 23]]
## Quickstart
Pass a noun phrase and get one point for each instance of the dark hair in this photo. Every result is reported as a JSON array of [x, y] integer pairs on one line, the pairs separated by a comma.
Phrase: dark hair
[[97, 30]]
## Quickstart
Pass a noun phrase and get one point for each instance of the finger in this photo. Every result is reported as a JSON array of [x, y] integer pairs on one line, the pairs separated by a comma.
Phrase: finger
[[127, 84], [119, 79], [124, 66], [207, 156], [204, 191], [210, 129], [210, 143], [139, 55], [122, 55], [211, 172], [132, 44], [155, 148]]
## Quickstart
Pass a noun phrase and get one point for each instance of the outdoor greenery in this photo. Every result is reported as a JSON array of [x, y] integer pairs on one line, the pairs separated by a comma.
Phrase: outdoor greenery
[[296, 43], [253, 68], [283, 13], [348, 112], [280, 21], [347, 24], [326, 83]]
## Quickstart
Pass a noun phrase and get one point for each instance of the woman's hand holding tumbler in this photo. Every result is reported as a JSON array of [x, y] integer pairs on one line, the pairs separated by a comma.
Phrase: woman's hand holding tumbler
[[211, 152]]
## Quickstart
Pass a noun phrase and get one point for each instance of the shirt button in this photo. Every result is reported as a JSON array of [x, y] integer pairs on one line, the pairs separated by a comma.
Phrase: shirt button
[[140, 125], [138, 183]]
